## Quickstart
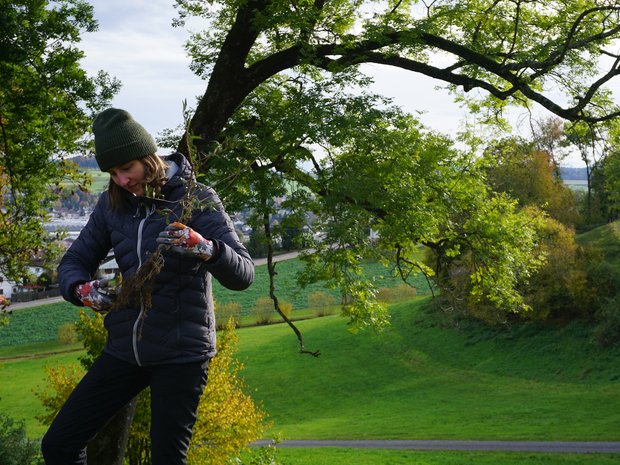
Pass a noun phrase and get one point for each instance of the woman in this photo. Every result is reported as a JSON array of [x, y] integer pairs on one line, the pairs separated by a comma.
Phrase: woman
[[168, 345]]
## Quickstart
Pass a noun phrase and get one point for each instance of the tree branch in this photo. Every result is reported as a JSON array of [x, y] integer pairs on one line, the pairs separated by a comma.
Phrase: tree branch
[[272, 273]]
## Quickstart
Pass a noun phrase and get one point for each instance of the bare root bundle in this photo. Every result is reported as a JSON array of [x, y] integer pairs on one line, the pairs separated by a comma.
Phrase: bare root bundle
[[138, 287]]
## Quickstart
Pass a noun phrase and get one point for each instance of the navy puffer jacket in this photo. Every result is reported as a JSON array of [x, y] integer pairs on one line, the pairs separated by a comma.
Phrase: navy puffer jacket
[[180, 325]]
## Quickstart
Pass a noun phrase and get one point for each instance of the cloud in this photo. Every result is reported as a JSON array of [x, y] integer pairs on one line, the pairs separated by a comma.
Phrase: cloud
[[137, 44]]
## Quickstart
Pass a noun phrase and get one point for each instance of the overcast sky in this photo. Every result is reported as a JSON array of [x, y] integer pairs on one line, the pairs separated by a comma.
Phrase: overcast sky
[[137, 44]]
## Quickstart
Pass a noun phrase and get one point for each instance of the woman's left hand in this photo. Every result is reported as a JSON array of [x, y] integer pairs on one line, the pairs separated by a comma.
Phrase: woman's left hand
[[184, 240]]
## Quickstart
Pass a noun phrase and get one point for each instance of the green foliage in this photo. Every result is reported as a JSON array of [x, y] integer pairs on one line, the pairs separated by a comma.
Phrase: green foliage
[[67, 334], [60, 382], [15, 447], [263, 310], [93, 334], [46, 104], [606, 183], [385, 175], [37, 324], [530, 176], [603, 280], [560, 288]]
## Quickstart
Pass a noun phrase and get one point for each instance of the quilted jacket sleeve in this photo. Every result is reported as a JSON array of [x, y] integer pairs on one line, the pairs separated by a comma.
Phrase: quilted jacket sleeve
[[82, 259], [232, 266]]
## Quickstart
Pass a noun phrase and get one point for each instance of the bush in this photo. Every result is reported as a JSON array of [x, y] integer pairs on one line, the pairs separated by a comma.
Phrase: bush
[[263, 310], [395, 294], [322, 302], [228, 419], [67, 334], [225, 311], [15, 447], [286, 308]]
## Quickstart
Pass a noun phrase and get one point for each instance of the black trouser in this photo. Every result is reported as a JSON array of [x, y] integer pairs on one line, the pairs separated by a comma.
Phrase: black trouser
[[107, 387]]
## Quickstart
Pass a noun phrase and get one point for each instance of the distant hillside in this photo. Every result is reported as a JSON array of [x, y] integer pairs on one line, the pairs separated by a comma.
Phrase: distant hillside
[[570, 173], [86, 162]]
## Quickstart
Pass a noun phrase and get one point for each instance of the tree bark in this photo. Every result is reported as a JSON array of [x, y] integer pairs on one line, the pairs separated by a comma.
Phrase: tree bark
[[108, 446]]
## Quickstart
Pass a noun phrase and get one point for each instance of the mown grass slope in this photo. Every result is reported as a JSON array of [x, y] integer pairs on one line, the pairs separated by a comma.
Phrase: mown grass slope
[[421, 379]]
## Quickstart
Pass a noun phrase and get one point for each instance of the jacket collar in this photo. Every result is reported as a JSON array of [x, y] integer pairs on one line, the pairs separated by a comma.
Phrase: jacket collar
[[174, 188]]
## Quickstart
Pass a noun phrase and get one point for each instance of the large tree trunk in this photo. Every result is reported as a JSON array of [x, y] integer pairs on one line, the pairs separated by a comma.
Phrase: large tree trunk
[[108, 446]]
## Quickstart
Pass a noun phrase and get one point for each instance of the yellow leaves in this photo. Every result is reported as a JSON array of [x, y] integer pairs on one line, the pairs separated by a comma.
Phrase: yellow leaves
[[228, 418], [61, 380]]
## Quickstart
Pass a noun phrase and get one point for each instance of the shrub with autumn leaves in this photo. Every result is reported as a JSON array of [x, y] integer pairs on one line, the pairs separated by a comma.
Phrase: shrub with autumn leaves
[[228, 419]]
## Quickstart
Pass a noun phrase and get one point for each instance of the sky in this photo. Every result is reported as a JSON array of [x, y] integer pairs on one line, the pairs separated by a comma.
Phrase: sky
[[137, 44]]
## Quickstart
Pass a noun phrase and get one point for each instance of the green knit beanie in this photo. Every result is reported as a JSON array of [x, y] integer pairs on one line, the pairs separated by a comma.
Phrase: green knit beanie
[[119, 138]]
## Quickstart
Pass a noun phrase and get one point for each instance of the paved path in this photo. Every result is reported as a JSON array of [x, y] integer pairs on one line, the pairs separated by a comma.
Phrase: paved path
[[580, 447], [34, 303]]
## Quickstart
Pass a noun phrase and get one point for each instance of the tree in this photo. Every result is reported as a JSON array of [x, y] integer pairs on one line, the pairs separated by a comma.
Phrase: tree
[[548, 135], [275, 112], [512, 51], [610, 173], [531, 177], [46, 105]]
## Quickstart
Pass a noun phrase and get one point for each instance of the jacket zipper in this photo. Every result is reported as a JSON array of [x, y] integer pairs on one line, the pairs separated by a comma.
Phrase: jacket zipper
[[149, 212]]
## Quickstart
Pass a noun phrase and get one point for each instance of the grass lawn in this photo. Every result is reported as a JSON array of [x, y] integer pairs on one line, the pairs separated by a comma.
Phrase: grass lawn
[[331, 456], [20, 378], [100, 180], [419, 379]]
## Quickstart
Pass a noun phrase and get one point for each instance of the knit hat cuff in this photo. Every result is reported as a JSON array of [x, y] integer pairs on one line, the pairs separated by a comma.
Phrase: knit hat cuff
[[132, 150]]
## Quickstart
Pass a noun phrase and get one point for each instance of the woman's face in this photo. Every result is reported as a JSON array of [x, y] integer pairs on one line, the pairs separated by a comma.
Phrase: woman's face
[[129, 176]]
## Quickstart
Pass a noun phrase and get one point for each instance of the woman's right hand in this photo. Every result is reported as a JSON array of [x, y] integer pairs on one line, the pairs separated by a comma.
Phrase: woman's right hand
[[88, 293]]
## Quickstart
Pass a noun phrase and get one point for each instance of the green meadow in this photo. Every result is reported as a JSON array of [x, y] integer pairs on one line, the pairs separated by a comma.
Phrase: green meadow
[[100, 180], [422, 378]]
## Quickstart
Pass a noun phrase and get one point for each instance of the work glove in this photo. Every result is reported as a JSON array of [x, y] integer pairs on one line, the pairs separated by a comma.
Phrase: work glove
[[185, 241], [93, 294]]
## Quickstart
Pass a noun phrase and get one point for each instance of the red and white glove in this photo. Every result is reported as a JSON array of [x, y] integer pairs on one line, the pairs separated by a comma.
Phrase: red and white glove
[[89, 295], [185, 241]]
